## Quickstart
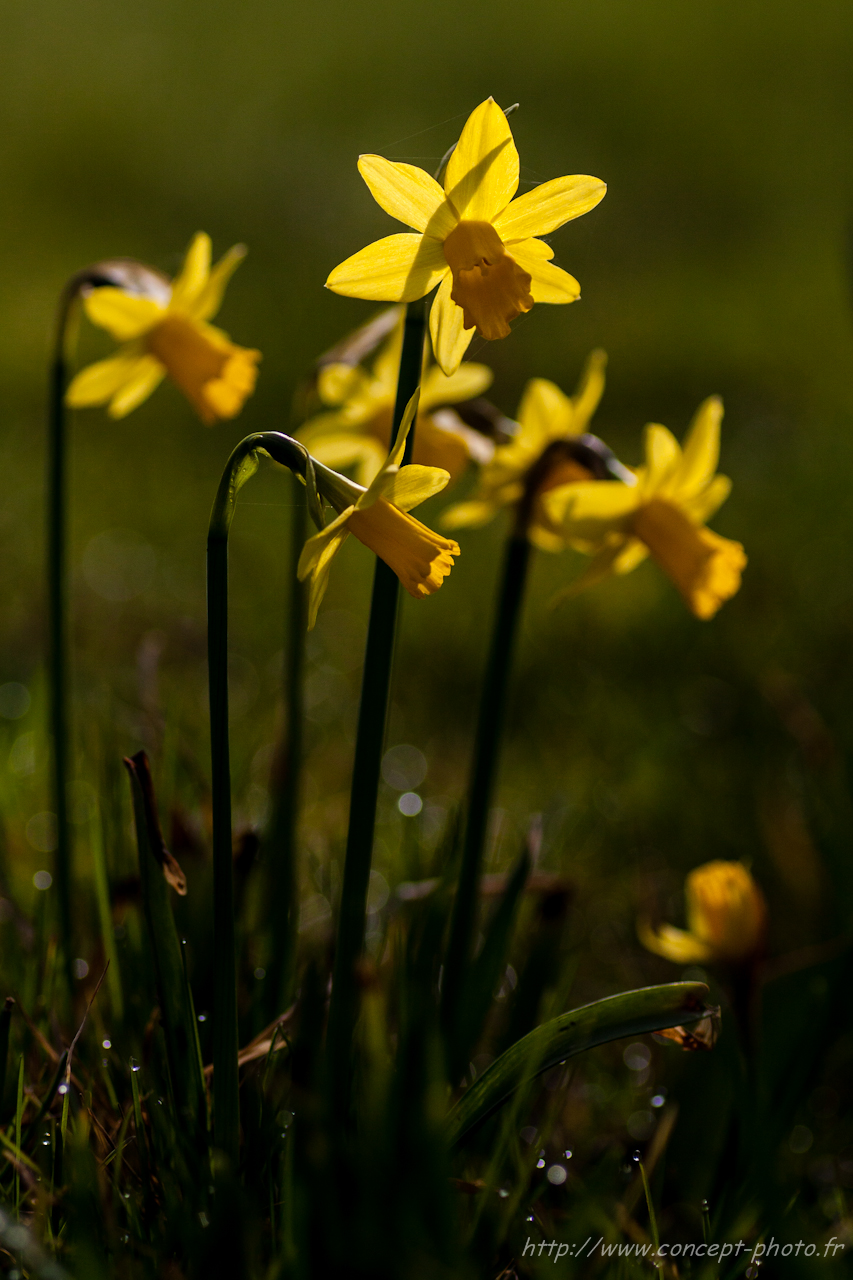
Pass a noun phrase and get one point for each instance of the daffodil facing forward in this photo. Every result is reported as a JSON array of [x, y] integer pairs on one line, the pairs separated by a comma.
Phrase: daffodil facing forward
[[170, 335], [379, 517], [551, 449], [726, 918], [478, 244], [357, 432], [663, 514]]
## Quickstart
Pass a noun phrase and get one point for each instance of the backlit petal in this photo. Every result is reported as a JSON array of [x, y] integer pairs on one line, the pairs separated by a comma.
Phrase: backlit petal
[[147, 376], [663, 455], [316, 560], [95, 384], [192, 277], [121, 314], [408, 193], [590, 509], [549, 206], [209, 300], [701, 447], [703, 506], [482, 174], [548, 283], [399, 268], [468, 515], [450, 340], [413, 484], [673, 944], [349, 449], [545, 414], [468, 381]]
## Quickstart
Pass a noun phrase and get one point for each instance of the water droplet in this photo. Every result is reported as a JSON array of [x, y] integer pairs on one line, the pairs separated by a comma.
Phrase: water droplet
[[530, 1218], [107, 1044], [704, 1206], [636, 1156], [134, 1066], [540, 1164], [202, 1017], [503, 1193], [567, 1154], [45, 1142], [63, 1089], [125, 1238]]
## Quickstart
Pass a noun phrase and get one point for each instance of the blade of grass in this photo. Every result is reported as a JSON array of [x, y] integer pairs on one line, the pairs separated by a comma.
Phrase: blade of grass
[[5, 1027], [631, 1013]]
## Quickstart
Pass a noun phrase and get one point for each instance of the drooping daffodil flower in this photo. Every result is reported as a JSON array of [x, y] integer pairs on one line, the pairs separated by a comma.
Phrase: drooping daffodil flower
[[551, 448], [170, 335], [357, 432], [379, 517], [726, 918], [472, 239], [663, 514]]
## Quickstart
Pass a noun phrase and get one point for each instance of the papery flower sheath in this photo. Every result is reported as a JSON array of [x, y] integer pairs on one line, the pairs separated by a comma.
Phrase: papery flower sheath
[[170, 335], [474, 241], [550, 449], [726, 918], [379, 517], [662, 515], [357, 432]]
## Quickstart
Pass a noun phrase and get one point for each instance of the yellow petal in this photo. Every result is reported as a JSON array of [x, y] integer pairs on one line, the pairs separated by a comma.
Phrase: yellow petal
[[413, 484], [590, 509], [468, 515], [549, 206], [632, 554], [346, 450], [316, 560], [209, 300], [193, 274], [482, 174], [97, 383], [409, 194], [450, 340], [548, 283], [400, 268], [663, 455], [545, 414], [703, 506], [673, 944], [701, 447], [420, 558], [469, 380], [121, 314], [148, 375], [705, 567], [589, 391]]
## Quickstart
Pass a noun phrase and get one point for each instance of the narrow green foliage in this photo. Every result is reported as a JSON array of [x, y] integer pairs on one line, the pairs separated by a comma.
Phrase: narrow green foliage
[[631, 1013], [175, 1009], [5, 1027], [19, 1113]]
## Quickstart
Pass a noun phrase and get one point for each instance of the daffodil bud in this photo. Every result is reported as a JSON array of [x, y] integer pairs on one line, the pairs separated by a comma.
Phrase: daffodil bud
[[726, 918]]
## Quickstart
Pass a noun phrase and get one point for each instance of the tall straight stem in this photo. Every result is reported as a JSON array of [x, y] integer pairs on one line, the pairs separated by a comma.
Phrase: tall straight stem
[[58, 625], [370, 735], [226, 1107], [281, 842], [487, 745]]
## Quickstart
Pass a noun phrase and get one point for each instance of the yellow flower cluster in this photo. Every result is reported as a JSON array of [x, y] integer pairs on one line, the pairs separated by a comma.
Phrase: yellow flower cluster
[[726, 918]]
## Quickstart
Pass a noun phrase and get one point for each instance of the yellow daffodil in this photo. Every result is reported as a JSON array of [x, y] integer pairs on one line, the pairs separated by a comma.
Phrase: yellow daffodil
[[663, 514], [549, 450], [379, 517], [358, 432], [474, 241], [170, 335], [726, 918]]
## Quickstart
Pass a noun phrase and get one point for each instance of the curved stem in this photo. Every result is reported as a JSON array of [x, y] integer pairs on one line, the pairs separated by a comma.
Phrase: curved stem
[[487, 744], [370, 736], [241, 465]]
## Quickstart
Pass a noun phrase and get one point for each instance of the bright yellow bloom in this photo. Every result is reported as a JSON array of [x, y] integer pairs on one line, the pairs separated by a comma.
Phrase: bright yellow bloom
[[726, 918], [663, 514], [358, 432], [379, 517], [548, 451], [170, 335], [474, 240]]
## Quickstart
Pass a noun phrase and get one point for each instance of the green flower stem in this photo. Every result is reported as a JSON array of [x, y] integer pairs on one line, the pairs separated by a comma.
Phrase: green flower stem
[[280, 841], [241, 465], [370, 736], [57, 445], [486, 753]]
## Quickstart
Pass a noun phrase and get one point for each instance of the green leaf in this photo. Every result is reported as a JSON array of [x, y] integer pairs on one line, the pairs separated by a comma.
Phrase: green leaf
[[631, 1013]]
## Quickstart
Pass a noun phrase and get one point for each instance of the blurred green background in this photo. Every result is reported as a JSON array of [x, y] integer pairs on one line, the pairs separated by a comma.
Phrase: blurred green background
[[718, 262]]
